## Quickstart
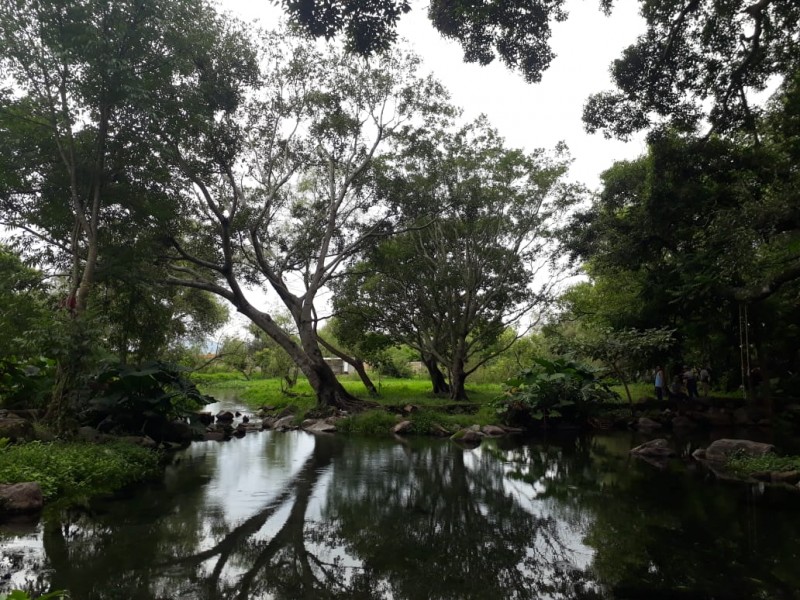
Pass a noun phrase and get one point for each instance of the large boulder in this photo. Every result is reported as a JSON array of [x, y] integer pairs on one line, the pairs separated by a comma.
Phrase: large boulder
[[224, 416], [721, 450], [493, 430], [318, 426], [18, 498], [658, 448], [467, 436], [16, 428], [645, 424], [402, 427], [284, 423]]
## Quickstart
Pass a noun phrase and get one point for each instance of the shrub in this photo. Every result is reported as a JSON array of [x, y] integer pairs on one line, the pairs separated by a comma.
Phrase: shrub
[[77, 470], [560, 387]]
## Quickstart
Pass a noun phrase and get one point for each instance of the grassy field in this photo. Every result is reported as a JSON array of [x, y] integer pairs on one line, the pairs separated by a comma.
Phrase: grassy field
[[394, 394]]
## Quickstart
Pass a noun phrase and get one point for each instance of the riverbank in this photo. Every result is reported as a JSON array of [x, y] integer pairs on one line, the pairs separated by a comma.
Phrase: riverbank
[[71, 473]]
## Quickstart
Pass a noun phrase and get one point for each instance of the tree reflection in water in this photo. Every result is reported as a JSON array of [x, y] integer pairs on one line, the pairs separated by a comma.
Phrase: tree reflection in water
[[289, 516], [355, 520]]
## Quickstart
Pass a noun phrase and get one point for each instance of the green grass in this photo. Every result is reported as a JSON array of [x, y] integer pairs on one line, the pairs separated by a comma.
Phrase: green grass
[[747, 465], [394, 394], [76, 471]]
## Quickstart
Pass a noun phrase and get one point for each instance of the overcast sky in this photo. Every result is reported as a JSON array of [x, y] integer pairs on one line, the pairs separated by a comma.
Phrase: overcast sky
[[527, 115]]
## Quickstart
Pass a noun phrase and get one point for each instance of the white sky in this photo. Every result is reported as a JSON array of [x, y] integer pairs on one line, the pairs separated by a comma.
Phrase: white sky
[[528, 115]]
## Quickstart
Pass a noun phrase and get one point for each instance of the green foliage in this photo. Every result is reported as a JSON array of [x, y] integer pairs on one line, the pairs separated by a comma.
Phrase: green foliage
[[21, 595], [25, 383], [76, 471], [560, 387], [747, 465], [370, 422], [130, 394]]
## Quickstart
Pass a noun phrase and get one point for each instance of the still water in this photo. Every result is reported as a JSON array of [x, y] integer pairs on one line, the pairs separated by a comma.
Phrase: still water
[[292, 515]]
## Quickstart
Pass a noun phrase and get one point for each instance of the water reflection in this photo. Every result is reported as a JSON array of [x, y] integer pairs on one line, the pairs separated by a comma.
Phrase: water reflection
[[286, 516]]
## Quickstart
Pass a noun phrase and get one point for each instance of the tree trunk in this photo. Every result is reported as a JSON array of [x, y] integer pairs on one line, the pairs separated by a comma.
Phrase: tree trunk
[[440, 385], [356, 363], [457, 380]]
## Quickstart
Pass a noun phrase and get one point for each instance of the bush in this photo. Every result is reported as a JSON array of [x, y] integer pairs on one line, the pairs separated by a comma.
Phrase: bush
[[132, 395], [371, 422], [560, 387], [26, 382], [77, 471]]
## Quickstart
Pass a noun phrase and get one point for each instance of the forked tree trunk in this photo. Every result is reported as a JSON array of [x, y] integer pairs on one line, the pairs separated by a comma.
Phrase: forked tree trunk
[[438, 380], [457, 380], [356, 363]]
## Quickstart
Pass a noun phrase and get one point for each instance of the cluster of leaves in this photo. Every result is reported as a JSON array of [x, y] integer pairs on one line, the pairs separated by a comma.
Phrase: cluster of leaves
[[22, 595], [25, 381], [558, 387], [747, 465], [130, 394], [76, 471]]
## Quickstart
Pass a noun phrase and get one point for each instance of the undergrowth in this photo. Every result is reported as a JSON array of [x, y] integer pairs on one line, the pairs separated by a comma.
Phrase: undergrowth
[[74, 471]]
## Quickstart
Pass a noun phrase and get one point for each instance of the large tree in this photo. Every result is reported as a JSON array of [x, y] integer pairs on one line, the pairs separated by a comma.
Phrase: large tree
[[86, 80], [281, 180], [451, 284]]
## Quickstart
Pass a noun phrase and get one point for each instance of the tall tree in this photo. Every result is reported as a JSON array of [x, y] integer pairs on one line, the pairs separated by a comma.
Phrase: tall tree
[[282, 180], [453, 283]]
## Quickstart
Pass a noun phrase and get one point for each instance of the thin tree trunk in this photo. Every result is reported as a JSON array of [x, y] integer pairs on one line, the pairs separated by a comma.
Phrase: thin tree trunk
[[438, 380], [356, 363], [457, 380]]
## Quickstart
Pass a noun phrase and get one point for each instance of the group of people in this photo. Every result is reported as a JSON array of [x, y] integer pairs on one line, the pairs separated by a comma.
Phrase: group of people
[[683, 384]]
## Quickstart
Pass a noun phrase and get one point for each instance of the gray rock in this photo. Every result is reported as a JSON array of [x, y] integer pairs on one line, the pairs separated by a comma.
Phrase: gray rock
[[140, 440], [402, 427], [699, 454], [225, 416], [681, 422], [284, 423], [16, 428], [720, 450], [467, 436], [493, 430], [21, 498], [790, 477], [319, 426], [658, 448], [647, 424]]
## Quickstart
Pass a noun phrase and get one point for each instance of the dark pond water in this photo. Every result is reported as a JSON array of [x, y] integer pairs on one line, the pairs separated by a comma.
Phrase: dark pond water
[[291, 515]]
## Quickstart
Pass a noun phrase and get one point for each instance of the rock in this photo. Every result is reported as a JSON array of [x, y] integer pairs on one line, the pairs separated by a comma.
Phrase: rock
[[88, 434], [790, 477], [493, 430], [402, 427], [437, 429], [238, 414], [15, 428], [177, 432], [647, 424], [284, 423], [140, 440], [476, 428], [225, 416], [215, 436], [699, 454], [467, 436], [658, 448], [206, 418], [268, 423], [21, 498], [681, 422], [513, 429], [720, 450], [245, 419], [319, 426], [240, 431], [410, 408]]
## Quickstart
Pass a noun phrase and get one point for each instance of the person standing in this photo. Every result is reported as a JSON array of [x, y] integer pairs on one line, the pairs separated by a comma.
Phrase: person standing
[[660, 383], [690, 379], [705, 381]]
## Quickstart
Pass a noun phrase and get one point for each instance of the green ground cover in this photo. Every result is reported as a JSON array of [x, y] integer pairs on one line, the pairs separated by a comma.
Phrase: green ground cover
[[394, 394], [73, 472], [747, 465]]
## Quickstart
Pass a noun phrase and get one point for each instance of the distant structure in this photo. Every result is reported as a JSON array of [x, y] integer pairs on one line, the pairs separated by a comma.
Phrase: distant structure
[[338, 366]]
